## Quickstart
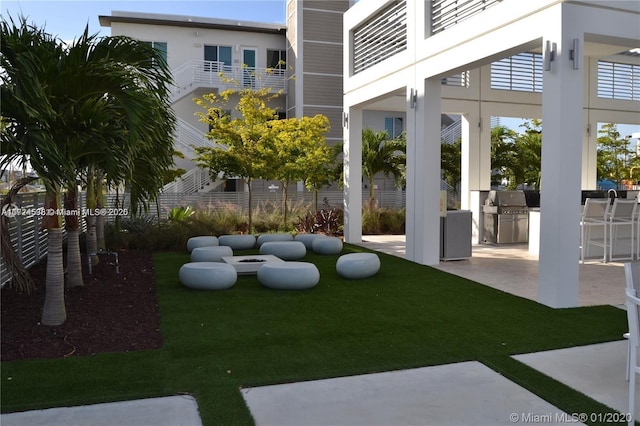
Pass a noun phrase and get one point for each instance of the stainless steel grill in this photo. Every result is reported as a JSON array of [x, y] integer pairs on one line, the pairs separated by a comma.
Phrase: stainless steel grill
[[506, 218]]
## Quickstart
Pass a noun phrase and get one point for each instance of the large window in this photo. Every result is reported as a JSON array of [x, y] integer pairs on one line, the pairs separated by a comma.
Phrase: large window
[[393, 126], [160, 46], [221, 55], [276, 59]]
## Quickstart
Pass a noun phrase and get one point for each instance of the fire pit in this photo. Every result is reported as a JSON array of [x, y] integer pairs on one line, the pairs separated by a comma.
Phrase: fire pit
[[249, 264]]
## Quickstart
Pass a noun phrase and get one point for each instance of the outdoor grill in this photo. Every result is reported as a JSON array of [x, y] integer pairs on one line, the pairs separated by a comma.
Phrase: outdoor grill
[[506, 218]]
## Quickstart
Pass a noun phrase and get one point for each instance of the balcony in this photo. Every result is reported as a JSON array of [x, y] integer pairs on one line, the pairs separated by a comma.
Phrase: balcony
[[212, 74]]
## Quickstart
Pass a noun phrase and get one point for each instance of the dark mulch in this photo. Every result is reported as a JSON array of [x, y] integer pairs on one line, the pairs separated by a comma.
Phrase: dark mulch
[[111, 313]]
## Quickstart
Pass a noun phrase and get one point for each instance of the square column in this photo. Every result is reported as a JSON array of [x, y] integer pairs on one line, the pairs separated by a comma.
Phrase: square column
[[352, 150], [563, 123], [423, 172]]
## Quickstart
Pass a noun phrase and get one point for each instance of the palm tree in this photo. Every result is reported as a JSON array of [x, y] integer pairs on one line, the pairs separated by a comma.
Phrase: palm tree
[[29, 59], [99, 103], [380, 154]]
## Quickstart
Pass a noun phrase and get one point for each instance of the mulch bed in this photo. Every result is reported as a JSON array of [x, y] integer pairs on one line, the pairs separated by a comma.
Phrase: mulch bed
[[110, 313]]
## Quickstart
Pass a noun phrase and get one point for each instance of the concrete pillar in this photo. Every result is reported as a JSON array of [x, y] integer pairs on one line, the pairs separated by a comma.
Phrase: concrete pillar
[[562, 118], [475, 168], [423, 172], [353, 176]]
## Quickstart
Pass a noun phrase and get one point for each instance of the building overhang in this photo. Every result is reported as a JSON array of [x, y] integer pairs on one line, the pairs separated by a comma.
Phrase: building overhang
[[190, 22]]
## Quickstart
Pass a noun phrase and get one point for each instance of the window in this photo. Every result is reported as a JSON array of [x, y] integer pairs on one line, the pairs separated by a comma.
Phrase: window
[[217, 58], [618, 81], [393, 126], [160, 46], [276, 59]]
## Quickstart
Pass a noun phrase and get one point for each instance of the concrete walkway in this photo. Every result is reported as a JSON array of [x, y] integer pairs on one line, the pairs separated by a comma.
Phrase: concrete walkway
[[466, 393]]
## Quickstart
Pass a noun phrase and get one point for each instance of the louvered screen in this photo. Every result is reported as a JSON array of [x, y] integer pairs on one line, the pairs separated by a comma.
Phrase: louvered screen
[[458, 80], [521, 72], [380, 37], [618, 81], [447, 13]]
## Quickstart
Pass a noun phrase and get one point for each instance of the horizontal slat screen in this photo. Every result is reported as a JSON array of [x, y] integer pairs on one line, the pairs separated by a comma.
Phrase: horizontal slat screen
[[447, 13], [521, 72], [618, 81], [458, 80], [381, 37]]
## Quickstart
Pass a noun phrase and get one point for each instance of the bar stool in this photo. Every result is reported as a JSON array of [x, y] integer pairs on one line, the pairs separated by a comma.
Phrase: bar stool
[[594, 217], [622, 215]]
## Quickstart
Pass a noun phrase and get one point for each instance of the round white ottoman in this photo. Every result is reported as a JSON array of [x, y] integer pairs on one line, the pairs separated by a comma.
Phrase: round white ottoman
[[265, 238], [289, 275], [208, 275], [238, 242], [203, 241], [285, 250], [327, 245], [210, 254], [356, 266], [307, 239]]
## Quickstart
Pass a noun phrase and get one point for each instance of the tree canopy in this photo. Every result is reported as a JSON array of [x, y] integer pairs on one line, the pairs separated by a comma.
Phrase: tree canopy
[[255, 144]]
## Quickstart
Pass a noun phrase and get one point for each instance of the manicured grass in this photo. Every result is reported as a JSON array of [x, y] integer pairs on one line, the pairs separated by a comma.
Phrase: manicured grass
[[406, 316]]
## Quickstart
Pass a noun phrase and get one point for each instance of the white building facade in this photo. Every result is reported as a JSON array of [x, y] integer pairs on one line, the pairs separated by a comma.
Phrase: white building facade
[[403, 55], [209, 55]]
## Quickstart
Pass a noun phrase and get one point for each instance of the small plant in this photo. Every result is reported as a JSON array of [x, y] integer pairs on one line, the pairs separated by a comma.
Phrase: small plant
[[330, 220], [307, 223], [180, 214]]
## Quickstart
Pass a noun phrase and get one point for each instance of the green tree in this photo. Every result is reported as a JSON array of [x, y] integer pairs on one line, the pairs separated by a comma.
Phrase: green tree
[[615, 158], [300, 153], [244, 145], [502, 154], [380, 154], [451, 157], [529, 154], [95, 103]]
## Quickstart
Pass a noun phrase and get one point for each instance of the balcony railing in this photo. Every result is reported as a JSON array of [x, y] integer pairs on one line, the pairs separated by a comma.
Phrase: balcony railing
[[194, 74]]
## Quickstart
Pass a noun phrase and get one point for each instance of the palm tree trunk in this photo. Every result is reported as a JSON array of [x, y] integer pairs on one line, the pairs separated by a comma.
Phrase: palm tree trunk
[[100, 218], [92, 242], [54, 311], [72, 225], [372, 195]]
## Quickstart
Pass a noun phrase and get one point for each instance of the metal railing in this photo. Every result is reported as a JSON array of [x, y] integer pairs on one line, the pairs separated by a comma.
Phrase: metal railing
[[194, 180], [193, 74], [188, 137]]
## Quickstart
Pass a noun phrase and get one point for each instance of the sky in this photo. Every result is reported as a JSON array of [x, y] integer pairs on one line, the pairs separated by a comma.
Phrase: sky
[[67, 19]]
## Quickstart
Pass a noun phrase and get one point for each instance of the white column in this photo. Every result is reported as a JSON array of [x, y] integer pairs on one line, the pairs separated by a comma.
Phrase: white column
[[353, 176], [562, 118], [423, 172], [475, 168]]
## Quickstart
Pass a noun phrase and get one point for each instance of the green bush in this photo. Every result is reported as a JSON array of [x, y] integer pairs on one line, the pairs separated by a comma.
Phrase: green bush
[[383, 221]]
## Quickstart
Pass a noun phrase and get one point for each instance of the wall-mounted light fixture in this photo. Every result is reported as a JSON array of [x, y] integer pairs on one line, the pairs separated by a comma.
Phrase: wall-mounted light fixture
[[197, 34], [413, 98], [345, 119], [574, 54], [549, 55]]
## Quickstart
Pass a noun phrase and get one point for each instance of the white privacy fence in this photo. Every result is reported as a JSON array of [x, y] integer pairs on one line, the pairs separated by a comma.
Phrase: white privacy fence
[[30, 241]]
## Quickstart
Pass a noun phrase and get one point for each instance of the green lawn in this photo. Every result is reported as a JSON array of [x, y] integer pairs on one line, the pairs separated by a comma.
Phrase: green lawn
[[406, 316]]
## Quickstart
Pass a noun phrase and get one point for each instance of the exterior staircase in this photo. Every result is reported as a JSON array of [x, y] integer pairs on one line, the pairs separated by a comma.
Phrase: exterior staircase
[[215, 75]]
